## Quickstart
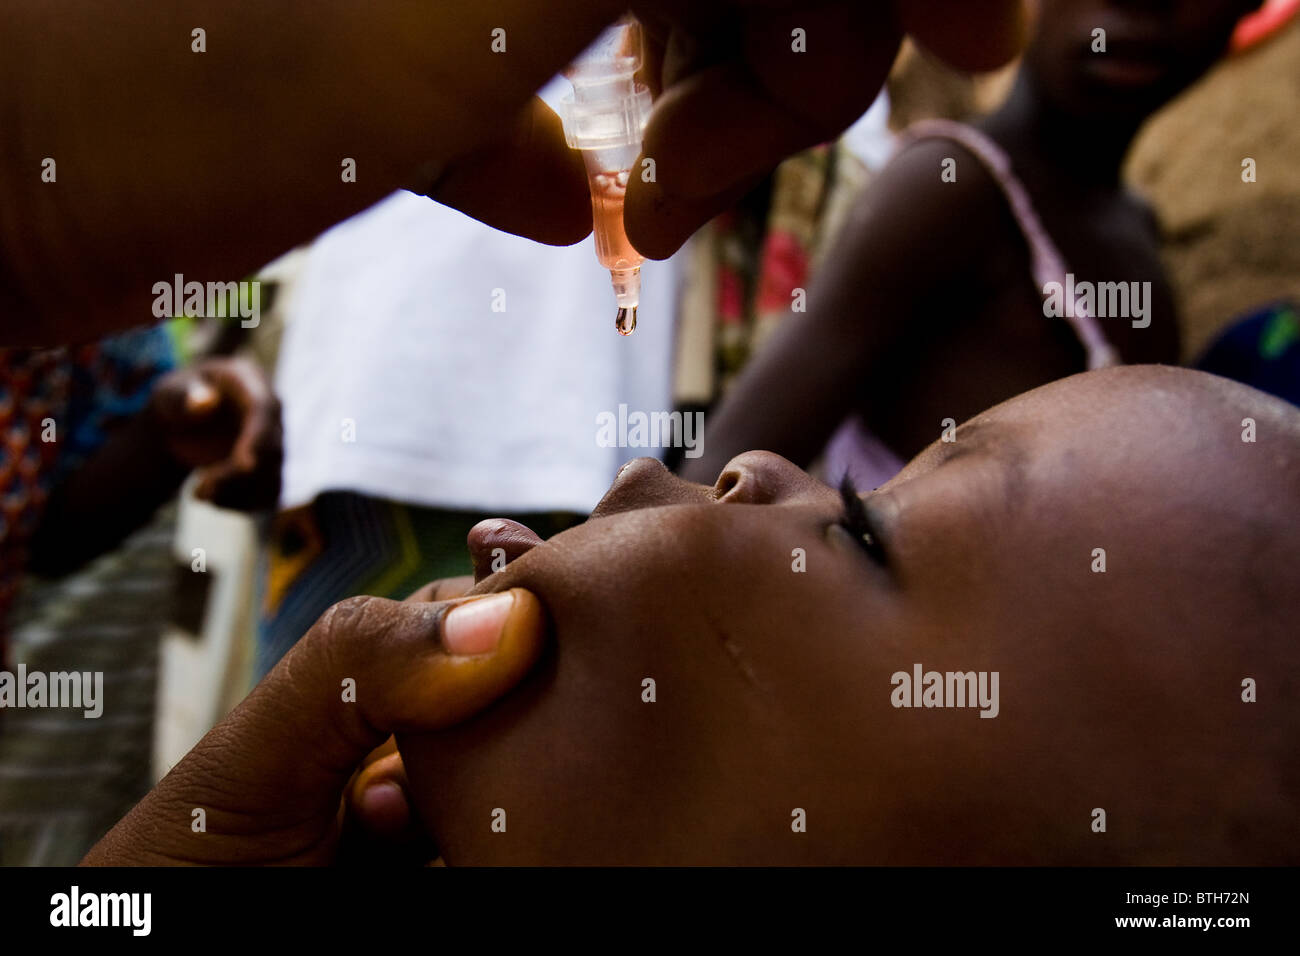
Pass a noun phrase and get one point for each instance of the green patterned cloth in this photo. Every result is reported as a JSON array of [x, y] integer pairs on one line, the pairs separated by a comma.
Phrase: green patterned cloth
[[345, 544]]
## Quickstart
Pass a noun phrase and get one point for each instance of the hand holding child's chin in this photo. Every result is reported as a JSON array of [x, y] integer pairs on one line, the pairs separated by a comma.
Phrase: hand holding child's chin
[[265, 785]]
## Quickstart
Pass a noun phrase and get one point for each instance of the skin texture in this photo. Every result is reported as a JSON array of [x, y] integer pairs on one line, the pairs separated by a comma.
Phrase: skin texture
[[1119, 690], [926, 308], [211, 164], [1153, 52], [270, 800]]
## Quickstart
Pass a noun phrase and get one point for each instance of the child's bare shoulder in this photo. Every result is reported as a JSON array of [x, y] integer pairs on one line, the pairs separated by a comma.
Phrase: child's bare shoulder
[[935, 196]]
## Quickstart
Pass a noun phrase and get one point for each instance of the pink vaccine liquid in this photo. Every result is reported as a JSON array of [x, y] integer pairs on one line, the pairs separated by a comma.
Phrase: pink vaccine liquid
[[613, 249]]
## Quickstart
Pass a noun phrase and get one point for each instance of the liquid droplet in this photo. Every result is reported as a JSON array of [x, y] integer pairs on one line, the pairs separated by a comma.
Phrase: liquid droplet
[[625, 321]]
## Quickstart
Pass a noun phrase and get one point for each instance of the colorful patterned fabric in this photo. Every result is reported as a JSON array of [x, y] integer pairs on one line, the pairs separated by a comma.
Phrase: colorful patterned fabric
[[747, 264], [344, 544], [1261, 350], [56, 406]]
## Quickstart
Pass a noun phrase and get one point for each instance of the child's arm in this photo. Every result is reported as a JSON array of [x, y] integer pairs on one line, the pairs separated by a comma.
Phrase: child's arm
[[218, 415], [910, 235]]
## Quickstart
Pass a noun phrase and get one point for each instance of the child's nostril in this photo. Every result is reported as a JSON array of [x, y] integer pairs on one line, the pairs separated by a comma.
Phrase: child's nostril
[[726, 482]]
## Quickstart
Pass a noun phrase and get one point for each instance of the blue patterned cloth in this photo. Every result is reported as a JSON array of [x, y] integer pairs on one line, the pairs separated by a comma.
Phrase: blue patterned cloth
[[56, 408], [1261, 350]]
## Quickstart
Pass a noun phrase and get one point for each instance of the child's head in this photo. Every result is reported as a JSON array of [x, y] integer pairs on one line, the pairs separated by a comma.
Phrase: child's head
[[1108, 544], [1153, 51]]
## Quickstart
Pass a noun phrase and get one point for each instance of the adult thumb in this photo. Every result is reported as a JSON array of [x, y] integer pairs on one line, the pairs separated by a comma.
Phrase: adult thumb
[[270, 776]]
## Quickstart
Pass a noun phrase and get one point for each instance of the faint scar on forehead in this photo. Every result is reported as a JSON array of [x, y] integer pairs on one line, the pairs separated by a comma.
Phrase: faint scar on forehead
[[999, 446]]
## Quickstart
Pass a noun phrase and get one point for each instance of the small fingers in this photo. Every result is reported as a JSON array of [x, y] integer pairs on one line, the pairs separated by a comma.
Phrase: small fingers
[[377, 799]]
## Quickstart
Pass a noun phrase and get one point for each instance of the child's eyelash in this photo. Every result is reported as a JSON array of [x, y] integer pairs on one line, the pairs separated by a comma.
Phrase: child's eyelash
[[856, 522]]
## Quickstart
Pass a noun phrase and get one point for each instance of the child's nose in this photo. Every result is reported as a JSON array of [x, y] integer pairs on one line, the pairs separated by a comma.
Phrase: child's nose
[[760, 478], [646, 483]]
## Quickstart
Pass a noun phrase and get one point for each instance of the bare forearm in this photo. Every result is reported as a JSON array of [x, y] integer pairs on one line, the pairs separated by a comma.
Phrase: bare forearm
[[788, 400], [209, 164]]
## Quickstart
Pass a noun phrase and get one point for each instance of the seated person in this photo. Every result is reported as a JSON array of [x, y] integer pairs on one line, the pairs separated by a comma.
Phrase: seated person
[[1118, 547], [985, 259]]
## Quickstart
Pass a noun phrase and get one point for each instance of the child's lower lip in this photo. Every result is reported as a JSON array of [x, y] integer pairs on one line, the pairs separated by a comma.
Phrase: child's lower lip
[[496, 542]]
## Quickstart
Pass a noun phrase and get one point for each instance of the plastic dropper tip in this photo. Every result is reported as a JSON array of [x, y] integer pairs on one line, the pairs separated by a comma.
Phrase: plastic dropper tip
[[627, 292]]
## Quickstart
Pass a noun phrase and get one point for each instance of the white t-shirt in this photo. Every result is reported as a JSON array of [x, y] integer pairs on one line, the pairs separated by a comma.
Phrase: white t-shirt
[[869, 138], [430, 359]]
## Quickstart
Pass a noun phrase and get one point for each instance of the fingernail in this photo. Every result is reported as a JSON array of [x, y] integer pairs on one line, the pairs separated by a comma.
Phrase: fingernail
[[384, 807], [200, 396], [475, 627]]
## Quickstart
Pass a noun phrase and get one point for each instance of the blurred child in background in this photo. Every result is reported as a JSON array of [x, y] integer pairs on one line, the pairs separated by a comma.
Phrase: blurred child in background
[[936, 302]]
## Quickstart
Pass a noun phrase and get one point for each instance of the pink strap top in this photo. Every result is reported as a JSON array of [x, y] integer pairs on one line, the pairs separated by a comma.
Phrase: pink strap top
[[854, 450], [1046, 261]]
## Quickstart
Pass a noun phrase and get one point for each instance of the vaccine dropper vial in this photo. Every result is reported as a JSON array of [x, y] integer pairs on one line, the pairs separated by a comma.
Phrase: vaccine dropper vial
[[604, 117]]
